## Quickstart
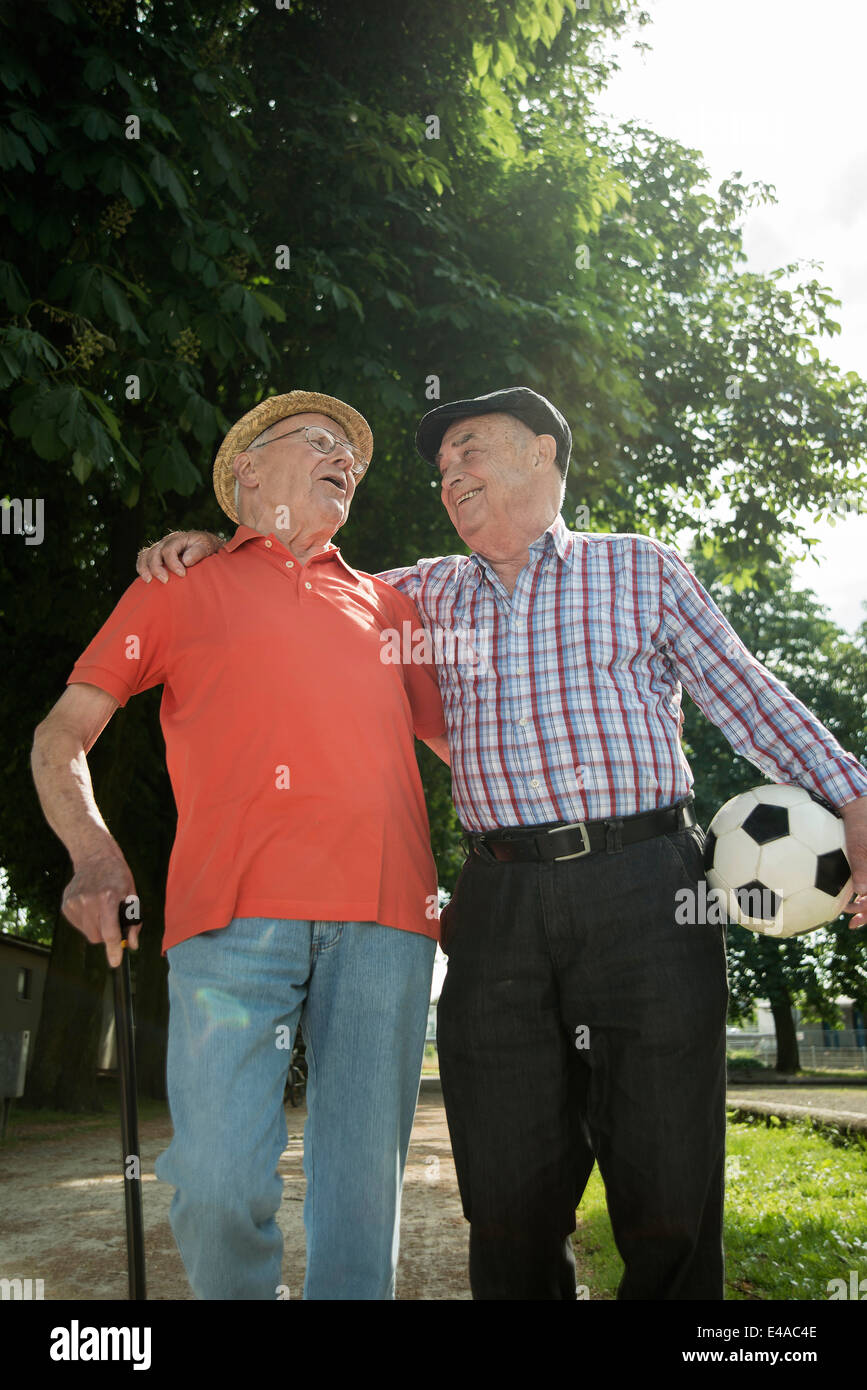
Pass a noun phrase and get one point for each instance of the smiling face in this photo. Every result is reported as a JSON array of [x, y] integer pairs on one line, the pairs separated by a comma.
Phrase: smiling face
[[499, 481], [289, 487]]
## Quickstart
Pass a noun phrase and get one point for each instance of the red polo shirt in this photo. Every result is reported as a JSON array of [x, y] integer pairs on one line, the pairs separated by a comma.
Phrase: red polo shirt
[[289, 742]]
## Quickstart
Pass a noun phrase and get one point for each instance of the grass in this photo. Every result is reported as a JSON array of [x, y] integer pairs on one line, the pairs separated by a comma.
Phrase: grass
[[35, 1125], [27, 1125], [796, 1216]]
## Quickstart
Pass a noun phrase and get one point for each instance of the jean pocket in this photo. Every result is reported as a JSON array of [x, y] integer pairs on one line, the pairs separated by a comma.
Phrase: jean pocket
[[687, 847]]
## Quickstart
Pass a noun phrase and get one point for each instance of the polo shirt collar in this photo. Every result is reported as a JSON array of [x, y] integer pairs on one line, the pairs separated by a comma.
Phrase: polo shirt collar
[[247, 533]]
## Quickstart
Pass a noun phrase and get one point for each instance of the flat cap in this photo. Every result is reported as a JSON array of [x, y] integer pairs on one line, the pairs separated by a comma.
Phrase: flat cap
[[526, 405]]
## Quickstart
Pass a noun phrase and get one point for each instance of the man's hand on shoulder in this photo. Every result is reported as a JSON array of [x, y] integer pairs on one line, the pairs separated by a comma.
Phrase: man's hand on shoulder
[[176, 552]]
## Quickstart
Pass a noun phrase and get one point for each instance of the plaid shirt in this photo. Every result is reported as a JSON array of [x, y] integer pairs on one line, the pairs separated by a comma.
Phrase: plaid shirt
[[562, 699]]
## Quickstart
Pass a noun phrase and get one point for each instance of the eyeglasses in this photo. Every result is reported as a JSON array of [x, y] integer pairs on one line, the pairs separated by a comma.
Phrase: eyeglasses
[[325, 442]]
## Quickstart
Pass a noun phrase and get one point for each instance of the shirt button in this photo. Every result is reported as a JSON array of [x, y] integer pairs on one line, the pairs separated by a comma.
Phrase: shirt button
[[520, 671], [523, 720], [290, 564], [307, 584], [268, 543], [534, 782]]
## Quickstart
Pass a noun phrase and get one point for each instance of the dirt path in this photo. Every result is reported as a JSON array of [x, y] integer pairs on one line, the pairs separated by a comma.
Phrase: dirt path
[[62, 1214], [845, 1101]]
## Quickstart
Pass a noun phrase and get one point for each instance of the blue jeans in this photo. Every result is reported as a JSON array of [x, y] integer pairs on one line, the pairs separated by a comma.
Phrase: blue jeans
[[361, 992]]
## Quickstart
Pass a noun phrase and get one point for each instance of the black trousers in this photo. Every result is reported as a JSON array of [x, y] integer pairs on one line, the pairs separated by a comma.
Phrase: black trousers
[[580, 1021]]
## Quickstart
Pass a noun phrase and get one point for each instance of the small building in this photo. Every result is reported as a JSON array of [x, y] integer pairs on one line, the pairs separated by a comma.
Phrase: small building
[[23, 968]]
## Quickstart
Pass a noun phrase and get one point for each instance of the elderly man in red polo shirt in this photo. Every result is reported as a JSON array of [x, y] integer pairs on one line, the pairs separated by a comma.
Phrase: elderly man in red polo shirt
[[301, 883]]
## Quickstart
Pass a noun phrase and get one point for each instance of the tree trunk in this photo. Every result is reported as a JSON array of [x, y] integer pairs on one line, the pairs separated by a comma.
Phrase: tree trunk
[[63, 1075], [788, 1056], [780, 1000]]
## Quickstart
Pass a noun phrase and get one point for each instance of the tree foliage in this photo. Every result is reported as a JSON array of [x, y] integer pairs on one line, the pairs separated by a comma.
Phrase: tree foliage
[[395, 205], [789, 632]]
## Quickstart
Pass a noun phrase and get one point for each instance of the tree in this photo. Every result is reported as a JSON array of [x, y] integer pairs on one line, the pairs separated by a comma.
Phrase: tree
[[389, 204], [132, 303]]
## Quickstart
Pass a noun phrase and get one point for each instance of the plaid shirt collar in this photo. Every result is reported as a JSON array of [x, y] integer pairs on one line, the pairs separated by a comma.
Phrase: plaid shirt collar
[[557, 539]]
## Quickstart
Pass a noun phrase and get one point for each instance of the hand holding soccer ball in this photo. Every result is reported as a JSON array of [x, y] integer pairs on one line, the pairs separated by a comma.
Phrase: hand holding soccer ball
[[777, 853]]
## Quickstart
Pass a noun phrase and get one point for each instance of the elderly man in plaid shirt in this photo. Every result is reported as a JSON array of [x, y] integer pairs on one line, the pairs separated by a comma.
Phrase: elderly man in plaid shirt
[[578, 1021]]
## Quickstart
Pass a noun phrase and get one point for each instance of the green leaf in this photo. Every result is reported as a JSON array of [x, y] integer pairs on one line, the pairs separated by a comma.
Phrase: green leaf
[[130, 186], [46, 442], [111, 421], [258, 343], [25, 344], [270, 306], [166, 176], [98, 72], [130, 458], [251, 312], [37, 132], [124, 80], [10, 368], [53, 231], [82, 286], [25, 413], [171, 469], [13, 289], [481, 58], [82, 467], [221, 153], [110, 173], [159, 121], [13, 150], [98, 125], [130, 285], [116, 306], [217, 242]]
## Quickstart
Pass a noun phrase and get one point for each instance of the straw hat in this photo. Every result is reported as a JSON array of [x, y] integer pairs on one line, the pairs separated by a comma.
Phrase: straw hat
[[268, 412]]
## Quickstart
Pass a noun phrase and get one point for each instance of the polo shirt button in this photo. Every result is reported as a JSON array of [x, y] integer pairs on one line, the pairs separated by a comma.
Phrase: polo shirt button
[[290, 564], [268, 543], [307, 584]]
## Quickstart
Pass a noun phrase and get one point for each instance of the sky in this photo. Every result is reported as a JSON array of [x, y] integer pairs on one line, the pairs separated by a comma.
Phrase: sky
[[776, 89]]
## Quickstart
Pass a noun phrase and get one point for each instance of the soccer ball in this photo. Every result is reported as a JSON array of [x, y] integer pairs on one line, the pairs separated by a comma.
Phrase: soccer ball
[[777, 855]]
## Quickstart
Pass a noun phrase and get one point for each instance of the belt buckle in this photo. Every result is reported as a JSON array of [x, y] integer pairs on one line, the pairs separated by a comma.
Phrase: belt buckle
[[579, 854]]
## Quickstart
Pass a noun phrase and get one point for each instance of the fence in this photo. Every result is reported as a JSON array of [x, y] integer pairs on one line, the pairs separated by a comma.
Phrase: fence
[[839, 1050]]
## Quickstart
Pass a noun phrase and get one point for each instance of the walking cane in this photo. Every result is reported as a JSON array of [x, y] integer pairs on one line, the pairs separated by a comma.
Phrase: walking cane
[[129, 915]]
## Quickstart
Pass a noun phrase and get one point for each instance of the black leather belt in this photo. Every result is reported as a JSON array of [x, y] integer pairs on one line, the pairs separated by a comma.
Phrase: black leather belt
[[572, 841]]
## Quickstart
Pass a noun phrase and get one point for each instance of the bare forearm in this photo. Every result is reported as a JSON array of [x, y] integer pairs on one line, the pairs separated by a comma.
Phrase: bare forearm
[[65, 792]]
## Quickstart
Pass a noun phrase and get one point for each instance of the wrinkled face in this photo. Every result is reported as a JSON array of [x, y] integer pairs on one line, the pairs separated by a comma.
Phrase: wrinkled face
[[490, 485], [316, 489]]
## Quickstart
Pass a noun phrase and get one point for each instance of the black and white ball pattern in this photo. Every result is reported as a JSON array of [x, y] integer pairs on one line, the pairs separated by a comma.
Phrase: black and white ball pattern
[[778, 855]]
